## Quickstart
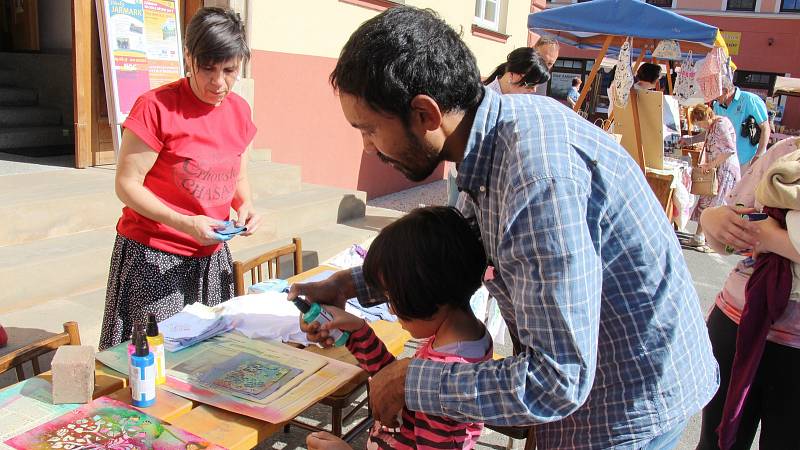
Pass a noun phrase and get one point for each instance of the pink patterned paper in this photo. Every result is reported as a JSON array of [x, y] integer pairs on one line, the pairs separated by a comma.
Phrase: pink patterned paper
[[108, 424]]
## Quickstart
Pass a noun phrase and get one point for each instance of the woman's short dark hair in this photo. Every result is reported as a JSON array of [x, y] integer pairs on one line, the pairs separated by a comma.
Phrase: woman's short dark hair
[[429, 258], [526, 62], [215, 35], [404, 52], [649, 72]]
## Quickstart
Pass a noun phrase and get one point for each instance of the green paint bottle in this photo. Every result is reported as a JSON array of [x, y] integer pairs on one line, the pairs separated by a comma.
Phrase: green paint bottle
[[316, 313]]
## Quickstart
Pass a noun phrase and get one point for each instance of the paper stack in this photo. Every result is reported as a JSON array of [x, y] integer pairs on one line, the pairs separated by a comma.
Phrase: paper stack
[[196, 323]]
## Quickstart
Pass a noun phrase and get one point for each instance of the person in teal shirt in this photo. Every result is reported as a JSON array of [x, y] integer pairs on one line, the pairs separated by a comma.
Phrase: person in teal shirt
[[737, 105]]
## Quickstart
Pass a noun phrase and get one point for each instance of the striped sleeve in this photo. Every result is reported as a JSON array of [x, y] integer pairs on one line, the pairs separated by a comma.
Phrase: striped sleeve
[[371, 353]]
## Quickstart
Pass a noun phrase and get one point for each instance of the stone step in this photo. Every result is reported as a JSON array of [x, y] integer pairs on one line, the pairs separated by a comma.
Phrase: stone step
[[80, 261], [33, 272], [8, 77], [328, 240], [46, 136], [268, 178], [17, 96], [86, 306], [26, 116], [308, 208], [50, 204]]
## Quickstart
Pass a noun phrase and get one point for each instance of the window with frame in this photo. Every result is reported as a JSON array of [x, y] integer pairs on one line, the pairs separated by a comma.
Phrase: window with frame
[[790, 6], [661, 3], [487, 14], [741, 5], [758, 82]]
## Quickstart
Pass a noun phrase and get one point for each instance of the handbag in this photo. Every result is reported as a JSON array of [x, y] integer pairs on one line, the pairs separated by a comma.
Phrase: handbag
[[704, 183], [751, 130]]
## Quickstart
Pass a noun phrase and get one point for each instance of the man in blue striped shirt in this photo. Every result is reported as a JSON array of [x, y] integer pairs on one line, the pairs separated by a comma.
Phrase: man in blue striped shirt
[[588, 272]]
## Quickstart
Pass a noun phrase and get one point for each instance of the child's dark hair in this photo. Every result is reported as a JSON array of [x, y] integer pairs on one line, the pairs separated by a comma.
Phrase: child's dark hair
[[649, 72], [429, 258], [215, 35]]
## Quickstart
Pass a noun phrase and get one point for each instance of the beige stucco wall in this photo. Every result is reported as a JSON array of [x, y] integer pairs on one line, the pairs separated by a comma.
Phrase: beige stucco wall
[[321, 27]]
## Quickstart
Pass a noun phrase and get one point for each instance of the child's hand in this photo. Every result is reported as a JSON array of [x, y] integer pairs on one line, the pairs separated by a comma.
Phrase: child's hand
[[323, 440], [342, 320]]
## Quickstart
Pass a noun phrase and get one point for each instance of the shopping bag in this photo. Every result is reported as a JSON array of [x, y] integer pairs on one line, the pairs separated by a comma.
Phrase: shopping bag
[[686, 87], [623, 76], [668, 50], [709, 74]]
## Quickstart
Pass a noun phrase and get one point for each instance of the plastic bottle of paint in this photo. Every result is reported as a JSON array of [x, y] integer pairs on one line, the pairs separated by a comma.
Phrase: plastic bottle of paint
[[143, 373], [155, 341], [132, 346], [316, 313]]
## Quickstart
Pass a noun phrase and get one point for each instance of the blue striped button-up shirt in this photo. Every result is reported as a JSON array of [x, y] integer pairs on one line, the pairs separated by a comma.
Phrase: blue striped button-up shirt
[[589, 277]]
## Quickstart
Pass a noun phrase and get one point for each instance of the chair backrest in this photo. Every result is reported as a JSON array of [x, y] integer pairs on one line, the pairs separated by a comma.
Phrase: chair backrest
[[32, 352], [271, 260], [662, 186]]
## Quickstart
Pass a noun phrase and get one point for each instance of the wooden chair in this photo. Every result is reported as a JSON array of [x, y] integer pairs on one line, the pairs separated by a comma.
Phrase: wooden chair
[[272, 260], [518, 433], [32, 352], [662, 187], [694, 153], [339, 401]]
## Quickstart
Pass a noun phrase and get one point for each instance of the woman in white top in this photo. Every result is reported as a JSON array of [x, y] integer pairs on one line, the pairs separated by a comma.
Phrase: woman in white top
[[523, 70]]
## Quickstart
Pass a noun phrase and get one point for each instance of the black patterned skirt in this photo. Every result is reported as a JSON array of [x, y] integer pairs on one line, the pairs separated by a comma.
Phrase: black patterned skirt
[[145, 280]]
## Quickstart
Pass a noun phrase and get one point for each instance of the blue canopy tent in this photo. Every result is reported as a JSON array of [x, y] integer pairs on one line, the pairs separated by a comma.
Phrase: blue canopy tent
[[605, 24], [588, 24]]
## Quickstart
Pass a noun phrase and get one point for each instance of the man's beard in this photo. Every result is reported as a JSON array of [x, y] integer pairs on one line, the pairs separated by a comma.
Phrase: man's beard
[[425, 157]]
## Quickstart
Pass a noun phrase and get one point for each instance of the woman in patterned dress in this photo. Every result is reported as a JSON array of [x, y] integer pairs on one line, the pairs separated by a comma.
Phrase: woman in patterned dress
[[180, 170], [720, 153]]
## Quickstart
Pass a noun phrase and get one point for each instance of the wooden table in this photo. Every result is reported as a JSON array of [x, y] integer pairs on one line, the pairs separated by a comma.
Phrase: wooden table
[[230, 430]]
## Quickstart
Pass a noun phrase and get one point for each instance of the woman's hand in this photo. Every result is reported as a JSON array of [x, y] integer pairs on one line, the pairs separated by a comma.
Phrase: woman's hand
[[725, 225], [204, 229], [769, 230], [705, 167], [246, 216]]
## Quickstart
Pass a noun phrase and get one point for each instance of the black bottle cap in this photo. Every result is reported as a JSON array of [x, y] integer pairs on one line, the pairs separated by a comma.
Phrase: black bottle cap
[[140, 341], [301, 305], [152, 325]]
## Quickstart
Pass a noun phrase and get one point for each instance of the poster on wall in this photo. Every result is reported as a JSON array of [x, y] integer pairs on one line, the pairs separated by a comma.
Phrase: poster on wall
[[141, 47], [560, 82]]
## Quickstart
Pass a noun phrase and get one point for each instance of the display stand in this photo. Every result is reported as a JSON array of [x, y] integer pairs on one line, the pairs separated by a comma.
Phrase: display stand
[[141, 48]]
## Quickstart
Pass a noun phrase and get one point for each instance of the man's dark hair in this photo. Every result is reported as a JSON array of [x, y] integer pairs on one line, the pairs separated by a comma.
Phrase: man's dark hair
[[428, 258], [215, 35], [649, 72], [526, 62], [404, 52], [576, 81]]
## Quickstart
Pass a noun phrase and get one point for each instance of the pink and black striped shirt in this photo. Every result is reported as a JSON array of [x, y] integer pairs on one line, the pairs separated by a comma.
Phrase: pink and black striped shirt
[[417, 430]]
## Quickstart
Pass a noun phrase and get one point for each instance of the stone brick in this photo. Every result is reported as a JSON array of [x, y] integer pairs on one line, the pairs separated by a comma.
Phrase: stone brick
[[73, 374]]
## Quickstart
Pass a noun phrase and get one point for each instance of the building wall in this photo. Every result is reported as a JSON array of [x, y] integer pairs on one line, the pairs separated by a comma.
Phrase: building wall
[[294, 48]]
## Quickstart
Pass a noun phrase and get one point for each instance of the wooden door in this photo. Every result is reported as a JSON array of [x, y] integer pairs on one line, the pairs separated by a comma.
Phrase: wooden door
[[24, 24]]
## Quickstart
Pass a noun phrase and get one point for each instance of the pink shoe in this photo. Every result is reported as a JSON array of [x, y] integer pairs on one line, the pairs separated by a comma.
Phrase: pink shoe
[[3, 337]]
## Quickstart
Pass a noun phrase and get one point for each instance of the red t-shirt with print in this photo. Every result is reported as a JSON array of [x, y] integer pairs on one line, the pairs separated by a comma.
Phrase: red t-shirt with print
[[199, 149]]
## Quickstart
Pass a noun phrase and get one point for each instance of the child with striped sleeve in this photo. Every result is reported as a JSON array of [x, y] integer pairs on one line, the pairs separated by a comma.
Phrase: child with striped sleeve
[[428, 264]]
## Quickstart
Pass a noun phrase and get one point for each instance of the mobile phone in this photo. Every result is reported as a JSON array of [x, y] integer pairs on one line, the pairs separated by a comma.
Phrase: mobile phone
[[755, 217], [231, 229]]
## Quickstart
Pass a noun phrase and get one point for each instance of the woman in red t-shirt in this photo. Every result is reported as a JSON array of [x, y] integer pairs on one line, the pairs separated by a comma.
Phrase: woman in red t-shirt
[[180, 170]]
